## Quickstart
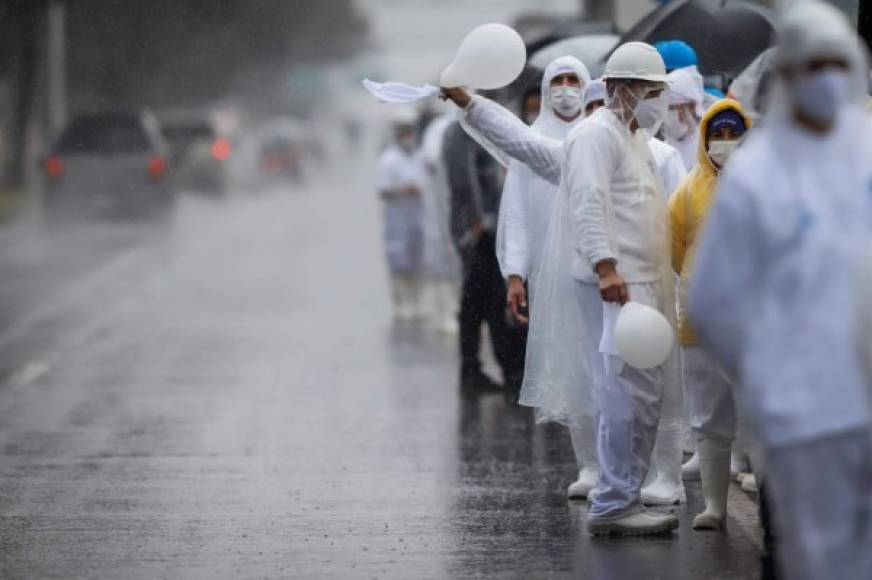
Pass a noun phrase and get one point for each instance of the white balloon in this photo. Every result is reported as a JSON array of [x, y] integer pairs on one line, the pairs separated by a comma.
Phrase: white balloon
[[490, 57], [643, 336]]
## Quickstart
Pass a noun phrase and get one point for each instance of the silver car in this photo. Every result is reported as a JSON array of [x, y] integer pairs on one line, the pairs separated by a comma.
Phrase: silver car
[[108, 165]]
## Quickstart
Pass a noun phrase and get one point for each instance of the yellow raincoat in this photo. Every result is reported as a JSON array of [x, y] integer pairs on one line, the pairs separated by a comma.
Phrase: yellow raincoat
[[688, 210]]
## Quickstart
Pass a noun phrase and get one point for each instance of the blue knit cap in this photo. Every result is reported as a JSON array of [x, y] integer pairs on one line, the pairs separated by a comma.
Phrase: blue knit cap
[[728, 119], [676, 54]]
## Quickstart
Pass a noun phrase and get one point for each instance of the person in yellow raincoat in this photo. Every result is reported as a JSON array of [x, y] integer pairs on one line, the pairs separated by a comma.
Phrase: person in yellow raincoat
[[713, 409]]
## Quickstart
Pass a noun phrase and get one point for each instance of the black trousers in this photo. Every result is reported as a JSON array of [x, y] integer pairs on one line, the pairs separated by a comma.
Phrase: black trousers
[[483, 300]]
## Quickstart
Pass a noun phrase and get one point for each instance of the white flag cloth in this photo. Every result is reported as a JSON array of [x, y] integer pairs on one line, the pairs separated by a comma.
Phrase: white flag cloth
[[391, 92]]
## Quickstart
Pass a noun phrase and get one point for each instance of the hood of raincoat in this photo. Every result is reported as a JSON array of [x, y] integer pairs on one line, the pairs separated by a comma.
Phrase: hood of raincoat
[[810, 30], [689, 208], [548, 123], [704, 162], [686, 86]]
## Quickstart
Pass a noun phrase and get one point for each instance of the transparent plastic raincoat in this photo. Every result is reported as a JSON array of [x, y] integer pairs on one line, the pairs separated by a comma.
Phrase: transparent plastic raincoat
[[611, 179], [558, 377], [525, 207]]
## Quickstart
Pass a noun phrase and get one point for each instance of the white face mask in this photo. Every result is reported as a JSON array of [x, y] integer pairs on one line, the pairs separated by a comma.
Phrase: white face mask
[[650, 112], [720, 151], [820, 95], [566, 100], [674, 127]]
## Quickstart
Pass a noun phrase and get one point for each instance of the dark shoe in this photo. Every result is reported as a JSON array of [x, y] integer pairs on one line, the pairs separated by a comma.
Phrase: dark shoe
[[478, 381]]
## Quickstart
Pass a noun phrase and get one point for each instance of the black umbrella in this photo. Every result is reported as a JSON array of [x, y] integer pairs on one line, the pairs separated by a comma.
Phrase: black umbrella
[[726, 34]]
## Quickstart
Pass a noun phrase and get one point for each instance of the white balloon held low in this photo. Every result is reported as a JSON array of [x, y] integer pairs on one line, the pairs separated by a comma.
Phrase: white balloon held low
[[643, 337], [490, 57]]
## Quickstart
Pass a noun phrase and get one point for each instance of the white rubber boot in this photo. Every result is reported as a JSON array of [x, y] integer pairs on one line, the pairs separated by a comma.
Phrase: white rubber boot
[[666, 488], [690, 469], [414, 287], [637, 524], [584, 445], [398, 294], [445, 299], [588, 478], [714, 462], [738, 465]]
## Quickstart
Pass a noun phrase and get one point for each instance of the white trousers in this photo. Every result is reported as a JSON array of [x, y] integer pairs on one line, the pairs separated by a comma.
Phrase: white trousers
[[584, 444], [822, 505], [712, 400], [630, 401]]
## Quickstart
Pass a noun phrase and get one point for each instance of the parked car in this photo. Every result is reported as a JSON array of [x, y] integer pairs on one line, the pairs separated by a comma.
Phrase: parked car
[[284, 147], [109, 165], [201, 154]]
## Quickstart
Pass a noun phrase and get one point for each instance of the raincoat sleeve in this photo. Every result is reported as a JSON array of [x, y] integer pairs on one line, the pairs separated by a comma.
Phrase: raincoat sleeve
[[678, 212], [512, 243], [672, 173], [727, 272], [387, 174], [589, 168], [502, 130]]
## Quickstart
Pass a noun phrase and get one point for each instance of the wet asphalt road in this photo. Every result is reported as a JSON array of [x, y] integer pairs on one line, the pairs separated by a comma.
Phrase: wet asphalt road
[[221, 395]]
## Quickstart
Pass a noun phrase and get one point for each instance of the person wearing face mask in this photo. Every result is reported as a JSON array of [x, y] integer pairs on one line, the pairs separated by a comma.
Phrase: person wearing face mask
[[618, 226], [525, 212], [527, 198], [399, 182], [557, 382], [663, 485], [773, 296], [680, 127], [709, 392], [670, 166]]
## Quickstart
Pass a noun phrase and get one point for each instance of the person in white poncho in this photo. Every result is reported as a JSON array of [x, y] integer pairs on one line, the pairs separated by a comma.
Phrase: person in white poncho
[[681, 126], [400, 180], [525, 212], [568, 379], [551, 379], [773, 296]]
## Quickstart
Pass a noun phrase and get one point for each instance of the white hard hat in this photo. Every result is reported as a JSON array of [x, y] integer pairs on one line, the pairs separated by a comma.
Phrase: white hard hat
[[636, 60]]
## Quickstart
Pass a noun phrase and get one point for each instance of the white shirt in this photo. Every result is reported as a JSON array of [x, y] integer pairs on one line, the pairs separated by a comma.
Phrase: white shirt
[[615, 186]]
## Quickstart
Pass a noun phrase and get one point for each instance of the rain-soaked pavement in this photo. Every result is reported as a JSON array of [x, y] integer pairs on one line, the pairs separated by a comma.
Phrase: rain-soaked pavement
[[221, 395]]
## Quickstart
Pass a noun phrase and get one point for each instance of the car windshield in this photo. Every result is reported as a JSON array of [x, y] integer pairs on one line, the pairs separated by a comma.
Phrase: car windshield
[[104, 134]]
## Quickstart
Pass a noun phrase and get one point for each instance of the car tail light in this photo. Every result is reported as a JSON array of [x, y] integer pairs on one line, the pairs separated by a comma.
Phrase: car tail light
[[54, 167], [221, 150], [157, 168]]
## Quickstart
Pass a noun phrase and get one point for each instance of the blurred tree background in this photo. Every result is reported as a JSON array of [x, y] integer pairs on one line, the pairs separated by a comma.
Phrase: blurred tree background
[[166, 54]]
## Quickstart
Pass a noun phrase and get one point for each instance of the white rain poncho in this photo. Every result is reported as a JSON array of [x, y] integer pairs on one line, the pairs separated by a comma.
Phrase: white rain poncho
[[403, 235], [440, 257], [558, 379], [670, 165], [685, 88], [772, 296], [638, 239], [525, 207]]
